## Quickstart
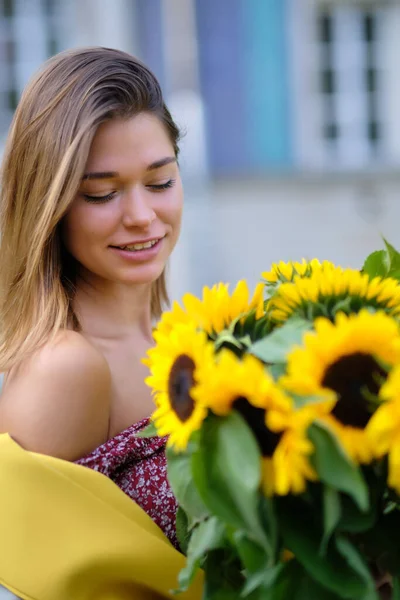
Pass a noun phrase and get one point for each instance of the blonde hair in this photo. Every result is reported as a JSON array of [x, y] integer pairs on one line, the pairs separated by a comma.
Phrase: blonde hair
[[45, 156]]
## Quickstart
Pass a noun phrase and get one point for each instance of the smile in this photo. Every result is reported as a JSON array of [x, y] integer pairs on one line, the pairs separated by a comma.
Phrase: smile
[[139, 246]]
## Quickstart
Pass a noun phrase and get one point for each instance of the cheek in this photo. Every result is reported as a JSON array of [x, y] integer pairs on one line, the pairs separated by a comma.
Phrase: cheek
[[176, 214], [174, 220], [172, 211], [85, 223]]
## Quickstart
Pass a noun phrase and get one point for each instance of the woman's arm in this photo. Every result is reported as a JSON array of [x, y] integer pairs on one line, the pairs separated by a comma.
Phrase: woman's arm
[[57, 402]]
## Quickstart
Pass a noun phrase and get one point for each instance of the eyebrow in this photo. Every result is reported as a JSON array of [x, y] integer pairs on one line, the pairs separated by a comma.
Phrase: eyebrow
[[113, 174]]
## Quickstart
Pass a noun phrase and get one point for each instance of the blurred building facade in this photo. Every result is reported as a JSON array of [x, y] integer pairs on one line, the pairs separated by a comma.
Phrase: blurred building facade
[[290, 107], [300, 84]]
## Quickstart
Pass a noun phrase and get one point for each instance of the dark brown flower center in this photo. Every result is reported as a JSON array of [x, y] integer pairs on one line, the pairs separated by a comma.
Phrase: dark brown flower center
[[354, 378], [179, 385], [255, 418]]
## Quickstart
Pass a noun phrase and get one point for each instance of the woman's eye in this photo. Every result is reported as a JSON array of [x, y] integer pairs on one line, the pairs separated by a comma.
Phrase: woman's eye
[[162, 186], [99, 199], [159, 187]]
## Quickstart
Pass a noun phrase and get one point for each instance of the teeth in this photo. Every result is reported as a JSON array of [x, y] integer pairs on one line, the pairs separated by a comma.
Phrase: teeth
[[140, 246]]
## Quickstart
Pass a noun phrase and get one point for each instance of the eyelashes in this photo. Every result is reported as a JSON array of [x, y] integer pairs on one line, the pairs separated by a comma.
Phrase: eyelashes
[[154, 188], [162, 186], [99, 199]]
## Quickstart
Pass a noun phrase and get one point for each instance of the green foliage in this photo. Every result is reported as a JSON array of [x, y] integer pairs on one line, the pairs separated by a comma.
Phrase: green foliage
[[340, 569], [182, 529], [332, 511], [226, 469], [382, 544], [275, 347], [179, 470], [383, 263], [148, 432], [223, 578], [210, 534], [396, 588], [335, 469], [376, 265], [295, 583], [343, 528], [242, 332]]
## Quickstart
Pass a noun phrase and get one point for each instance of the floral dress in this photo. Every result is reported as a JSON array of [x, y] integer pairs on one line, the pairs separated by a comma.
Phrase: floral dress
[[139, 467]]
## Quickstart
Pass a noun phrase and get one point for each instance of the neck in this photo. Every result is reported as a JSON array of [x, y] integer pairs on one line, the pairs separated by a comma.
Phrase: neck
[[113, 311]]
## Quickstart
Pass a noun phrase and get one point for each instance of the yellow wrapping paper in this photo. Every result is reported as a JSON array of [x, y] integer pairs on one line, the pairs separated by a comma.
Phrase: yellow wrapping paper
[[69, 533]]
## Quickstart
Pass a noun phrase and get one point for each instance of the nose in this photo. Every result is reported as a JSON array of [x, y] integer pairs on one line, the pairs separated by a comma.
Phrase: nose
[[136, 209]]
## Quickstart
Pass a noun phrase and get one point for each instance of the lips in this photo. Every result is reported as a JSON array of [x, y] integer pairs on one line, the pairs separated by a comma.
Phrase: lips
[[139, 245]]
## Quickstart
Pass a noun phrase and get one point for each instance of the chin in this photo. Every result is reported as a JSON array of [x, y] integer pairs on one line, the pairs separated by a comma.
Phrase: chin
[[146, 275]]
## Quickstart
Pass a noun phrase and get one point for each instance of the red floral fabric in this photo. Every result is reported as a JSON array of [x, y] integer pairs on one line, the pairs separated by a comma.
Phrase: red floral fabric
[[139, 467]]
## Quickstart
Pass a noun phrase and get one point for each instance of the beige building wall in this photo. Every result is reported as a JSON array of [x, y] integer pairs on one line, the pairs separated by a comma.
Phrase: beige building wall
[[236, 229]]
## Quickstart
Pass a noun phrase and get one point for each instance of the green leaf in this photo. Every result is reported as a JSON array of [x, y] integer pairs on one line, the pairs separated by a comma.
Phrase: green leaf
[[332, 513], [261, 328], [147, 432], [294, 583], [356, 562], [381, 543], [179, 472], [300, 401], [372, 594], [395, 274], [262, 580], [309, 589], [245, 341], [396, 588], [376, 264], [222, 576], [251, 554], [275, 347], [213, 592], [331, 570], [225, 338], [286, 583], [342, 306], [276, 371], [334, 468], [208, 535], [393, 258], [269, 521], [182, 529], [383, 263], [227, 472], [352, 519]]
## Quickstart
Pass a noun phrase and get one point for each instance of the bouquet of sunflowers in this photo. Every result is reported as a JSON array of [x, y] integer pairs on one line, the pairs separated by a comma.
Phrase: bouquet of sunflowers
[[283, 416]]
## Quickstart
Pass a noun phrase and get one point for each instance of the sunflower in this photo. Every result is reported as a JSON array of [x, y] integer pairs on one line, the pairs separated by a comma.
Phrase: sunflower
[[384, 427], [229, 378], [285, 448], [217, 308], [174, 364], [287, 468], [286, 271], [346, 361], [244, 385], [329, 289]]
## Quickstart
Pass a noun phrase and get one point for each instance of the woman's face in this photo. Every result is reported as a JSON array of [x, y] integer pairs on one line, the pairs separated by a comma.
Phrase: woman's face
[[125, 220]]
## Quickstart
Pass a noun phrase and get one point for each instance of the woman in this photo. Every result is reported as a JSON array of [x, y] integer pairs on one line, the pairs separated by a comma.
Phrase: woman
[[91, 207]]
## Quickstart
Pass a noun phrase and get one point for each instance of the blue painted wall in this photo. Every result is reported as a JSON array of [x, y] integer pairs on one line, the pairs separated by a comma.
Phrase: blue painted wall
[[245, 84], [221, 66], [150, 33], [266, 82]]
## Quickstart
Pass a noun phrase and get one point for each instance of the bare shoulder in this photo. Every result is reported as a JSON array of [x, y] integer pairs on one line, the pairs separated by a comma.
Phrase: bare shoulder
[[58, 401]]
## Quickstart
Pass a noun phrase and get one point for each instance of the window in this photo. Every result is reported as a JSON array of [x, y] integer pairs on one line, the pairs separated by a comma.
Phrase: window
[[371, 74], [348, 39], [29, 33]]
